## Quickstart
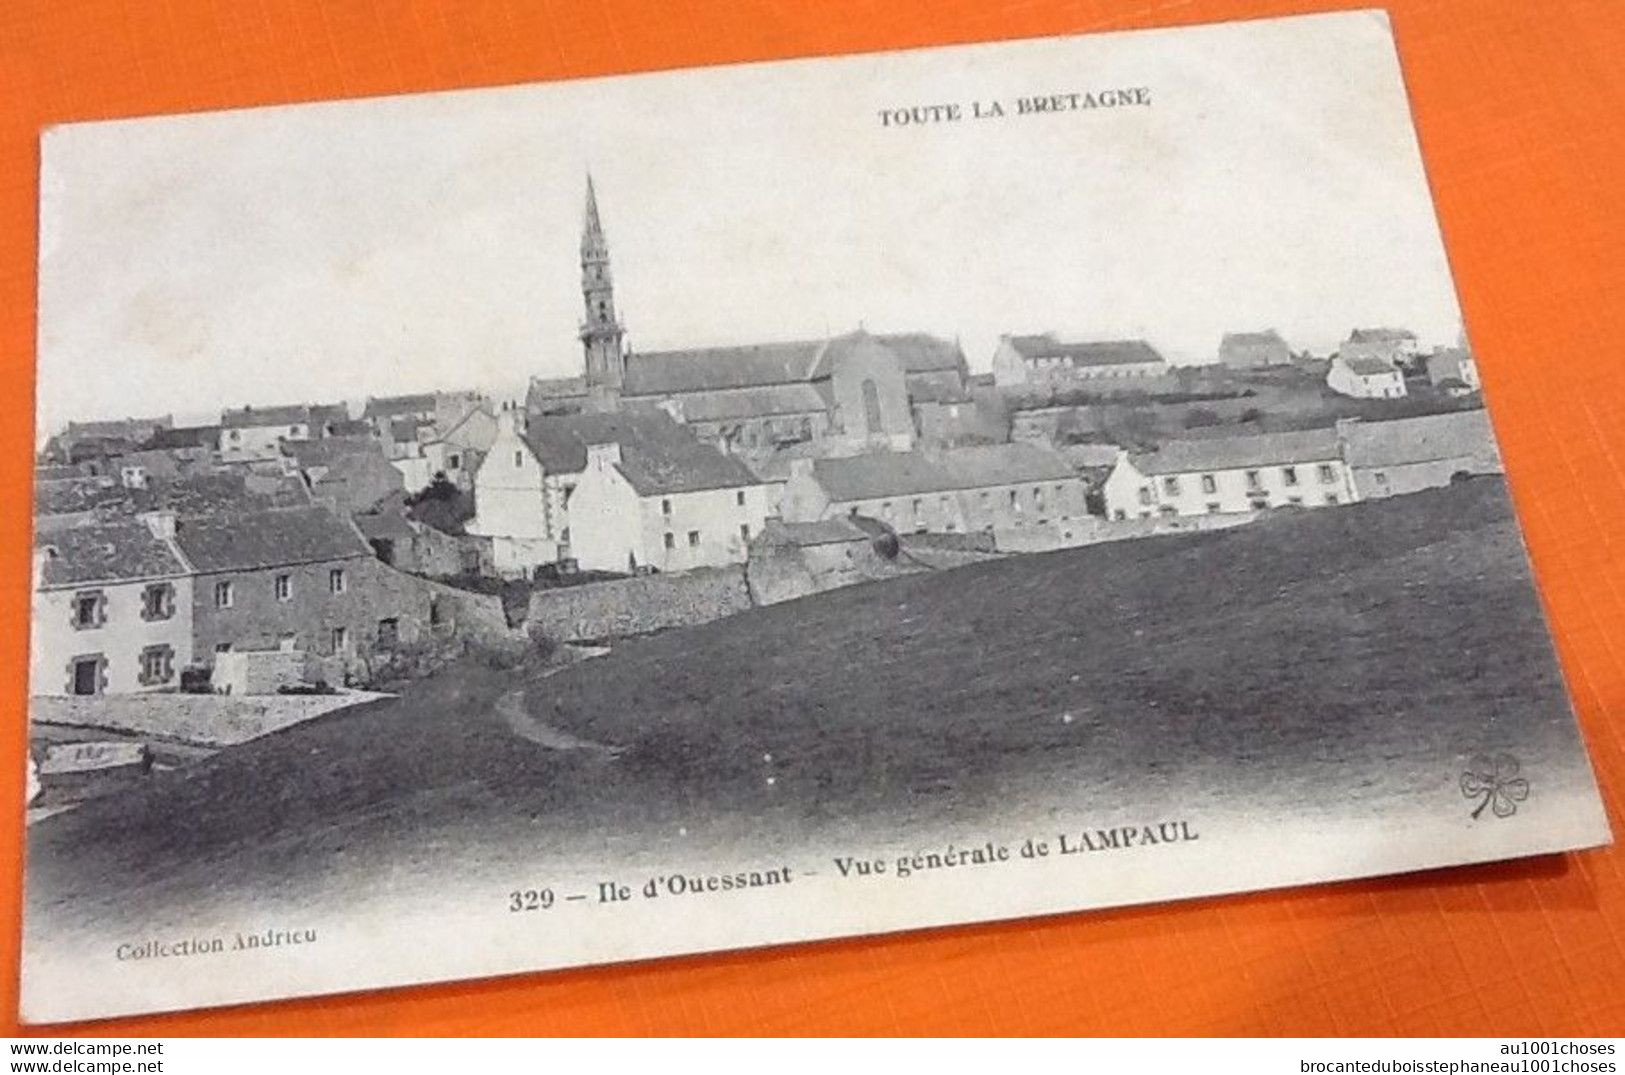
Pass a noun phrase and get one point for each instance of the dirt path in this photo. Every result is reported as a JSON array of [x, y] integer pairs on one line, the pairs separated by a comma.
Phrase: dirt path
[[511, 707]]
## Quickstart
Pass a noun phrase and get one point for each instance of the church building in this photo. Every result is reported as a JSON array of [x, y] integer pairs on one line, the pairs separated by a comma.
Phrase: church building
[[852, 392]]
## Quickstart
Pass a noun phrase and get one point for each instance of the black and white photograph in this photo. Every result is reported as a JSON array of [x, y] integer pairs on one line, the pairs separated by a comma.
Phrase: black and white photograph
[[509, 529]]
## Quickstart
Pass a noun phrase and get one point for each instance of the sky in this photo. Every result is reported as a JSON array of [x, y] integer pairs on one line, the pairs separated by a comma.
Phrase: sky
[[389, 245]]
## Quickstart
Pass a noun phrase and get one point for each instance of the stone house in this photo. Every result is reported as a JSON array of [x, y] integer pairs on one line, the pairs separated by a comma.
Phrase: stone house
[[349, 473], [1230, 474], [112, 609], [982, 488], [297, 578], [1407, 455], [1252, 350], [1046, 361]]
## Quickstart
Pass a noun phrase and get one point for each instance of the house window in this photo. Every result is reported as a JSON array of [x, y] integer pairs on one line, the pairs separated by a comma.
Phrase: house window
[[222, 647], [284, 586], [1252, 480], [518, 459], [1212, 508], [665, 507], [157, 665], [89, 609], [223, 594], [87, 674], [744, 532], [1145, 494], [1170, 485], [1210, 484], [158, 601], [389, 633], [1295, 501], [1120, 514], [671, 540], [454, 461], [693, 539], [336, 582], [1015, 500], [1381, 477], [1327, 474], [1289, 475], [739, 498], [340, 637], [1331, 498]]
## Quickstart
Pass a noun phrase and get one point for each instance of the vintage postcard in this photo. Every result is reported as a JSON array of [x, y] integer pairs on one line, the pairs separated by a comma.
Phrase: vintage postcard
[[522, 528]]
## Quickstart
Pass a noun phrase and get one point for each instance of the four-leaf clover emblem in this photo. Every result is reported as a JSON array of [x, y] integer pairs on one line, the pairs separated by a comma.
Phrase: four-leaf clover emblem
[[1494, 780]]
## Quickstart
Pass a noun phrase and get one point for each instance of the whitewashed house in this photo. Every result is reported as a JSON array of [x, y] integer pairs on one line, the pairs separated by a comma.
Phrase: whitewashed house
[[665, 502], [1365, 378], [255, 433], [511, 504], [112, 609], [1230, 474]]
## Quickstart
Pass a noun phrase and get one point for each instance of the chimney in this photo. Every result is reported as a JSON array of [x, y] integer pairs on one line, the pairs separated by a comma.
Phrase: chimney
[[600, 456], [162, 524]]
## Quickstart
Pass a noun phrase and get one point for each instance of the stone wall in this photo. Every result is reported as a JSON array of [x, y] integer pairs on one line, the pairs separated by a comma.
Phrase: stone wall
[[639, 605], [207, 720]]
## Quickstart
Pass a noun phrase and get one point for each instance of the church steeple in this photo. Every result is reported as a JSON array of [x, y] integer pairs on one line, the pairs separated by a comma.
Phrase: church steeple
[[601, 331]]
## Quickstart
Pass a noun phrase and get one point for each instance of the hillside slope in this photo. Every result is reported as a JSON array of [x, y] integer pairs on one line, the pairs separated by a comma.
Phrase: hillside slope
[[1330, 657]]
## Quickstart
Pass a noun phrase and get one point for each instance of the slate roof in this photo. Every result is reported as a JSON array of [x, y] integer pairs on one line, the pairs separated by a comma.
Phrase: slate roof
[[1455, 435], [1370, 366], [121, 551], [72, 495], [1381, 335], [395, 406], [259, 417], [1446, 365], [765, 402], [711, 369], [256, 540], [838, 530], [1236, 453], [405, 430], [883, 474], [188, 494], [321, 453], [1089, 353], [1268, 338], [657, 454], [185, 437]]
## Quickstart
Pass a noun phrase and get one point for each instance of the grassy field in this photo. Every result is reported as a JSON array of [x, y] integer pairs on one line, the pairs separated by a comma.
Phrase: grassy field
[[1330, 659]]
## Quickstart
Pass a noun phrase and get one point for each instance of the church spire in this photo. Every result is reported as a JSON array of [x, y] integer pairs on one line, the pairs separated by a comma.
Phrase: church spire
[[601, 331]]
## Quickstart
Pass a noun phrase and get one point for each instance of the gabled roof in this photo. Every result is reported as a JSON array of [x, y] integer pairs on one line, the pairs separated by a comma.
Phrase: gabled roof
[[121, 551], [395, 406], [886, 474], [260, 417], [654, 373], [765, 402], [1268, 338], [1381, 335], [185, 437], [658, 455], [314, 453], [712, 369], [1454, 435], [255, 540], [1235, 453], [1369, 366], [1088, 353]]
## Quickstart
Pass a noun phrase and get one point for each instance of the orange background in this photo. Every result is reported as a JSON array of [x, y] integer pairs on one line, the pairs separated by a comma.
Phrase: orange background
[[1519, 105]]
